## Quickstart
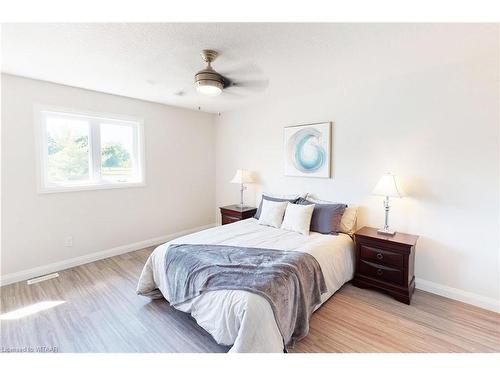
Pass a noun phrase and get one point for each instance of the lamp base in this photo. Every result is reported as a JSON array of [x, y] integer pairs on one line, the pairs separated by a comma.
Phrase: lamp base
[[386, 232]]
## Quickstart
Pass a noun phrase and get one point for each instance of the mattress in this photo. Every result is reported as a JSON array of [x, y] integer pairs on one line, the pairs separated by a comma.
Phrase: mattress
[[242, 319]]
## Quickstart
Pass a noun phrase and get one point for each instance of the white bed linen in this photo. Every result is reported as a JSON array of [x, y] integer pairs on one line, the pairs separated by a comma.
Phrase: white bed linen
[[240, 318]]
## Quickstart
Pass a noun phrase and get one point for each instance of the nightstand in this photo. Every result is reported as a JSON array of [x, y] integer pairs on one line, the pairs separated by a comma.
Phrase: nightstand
[[233, 213], [385, 263]]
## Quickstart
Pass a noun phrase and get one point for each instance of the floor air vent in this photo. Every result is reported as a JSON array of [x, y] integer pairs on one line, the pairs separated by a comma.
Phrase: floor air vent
[[43, 278]]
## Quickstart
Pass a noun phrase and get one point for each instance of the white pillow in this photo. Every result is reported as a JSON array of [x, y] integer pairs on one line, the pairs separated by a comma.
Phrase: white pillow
[[272, 213], [349, 218], [298, 218]]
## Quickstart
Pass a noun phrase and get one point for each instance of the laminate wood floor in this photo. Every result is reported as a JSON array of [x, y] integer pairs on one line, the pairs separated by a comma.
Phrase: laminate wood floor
[[99, 311]]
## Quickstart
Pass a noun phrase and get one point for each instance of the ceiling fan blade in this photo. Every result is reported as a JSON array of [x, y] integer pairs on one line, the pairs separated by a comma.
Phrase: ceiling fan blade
[[183, 92], [231, 94], [250, 85]]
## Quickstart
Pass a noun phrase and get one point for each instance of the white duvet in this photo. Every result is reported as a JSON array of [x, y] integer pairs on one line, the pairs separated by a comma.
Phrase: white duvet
[[239, 318]]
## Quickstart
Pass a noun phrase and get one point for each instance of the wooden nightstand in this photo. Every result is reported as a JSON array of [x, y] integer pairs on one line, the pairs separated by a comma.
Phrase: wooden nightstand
[[385, 263], [233, 213]]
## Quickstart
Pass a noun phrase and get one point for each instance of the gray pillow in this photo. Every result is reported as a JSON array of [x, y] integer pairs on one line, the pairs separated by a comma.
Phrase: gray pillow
[[259, 210], [326, 217]]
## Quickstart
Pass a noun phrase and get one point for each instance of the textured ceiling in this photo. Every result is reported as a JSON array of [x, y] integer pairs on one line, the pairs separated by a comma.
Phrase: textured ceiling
[[157, 62]]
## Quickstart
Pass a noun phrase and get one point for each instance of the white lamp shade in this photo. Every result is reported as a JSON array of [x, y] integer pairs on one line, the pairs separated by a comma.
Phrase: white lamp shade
[[388, 186], [242, 177]]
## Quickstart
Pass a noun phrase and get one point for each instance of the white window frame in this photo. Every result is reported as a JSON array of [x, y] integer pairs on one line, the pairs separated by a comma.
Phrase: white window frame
[[95, 183]]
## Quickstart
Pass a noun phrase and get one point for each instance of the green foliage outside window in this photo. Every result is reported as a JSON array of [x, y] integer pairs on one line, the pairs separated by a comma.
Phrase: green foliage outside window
[[68, 158], [115, 156]]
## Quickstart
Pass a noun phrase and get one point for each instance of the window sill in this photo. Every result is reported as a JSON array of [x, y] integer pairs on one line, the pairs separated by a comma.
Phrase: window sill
[[69, 189]]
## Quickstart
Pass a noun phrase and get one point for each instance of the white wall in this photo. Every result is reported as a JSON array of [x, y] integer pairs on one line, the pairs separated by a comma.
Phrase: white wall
[[179, 193], [435, 126]]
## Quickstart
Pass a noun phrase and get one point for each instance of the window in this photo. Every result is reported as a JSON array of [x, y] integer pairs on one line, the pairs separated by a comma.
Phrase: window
[[86, 151]]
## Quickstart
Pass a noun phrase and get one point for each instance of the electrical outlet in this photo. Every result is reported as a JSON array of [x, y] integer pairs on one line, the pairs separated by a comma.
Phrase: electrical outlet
[[68, 241]]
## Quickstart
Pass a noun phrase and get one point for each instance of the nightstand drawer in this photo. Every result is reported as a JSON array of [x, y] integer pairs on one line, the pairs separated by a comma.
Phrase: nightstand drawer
[[381, 256], [229, 219], [380, 272], [234, 213]]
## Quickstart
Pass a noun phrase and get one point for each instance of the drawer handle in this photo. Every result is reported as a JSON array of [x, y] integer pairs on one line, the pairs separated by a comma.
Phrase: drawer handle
[[379, 256], [380, 272]]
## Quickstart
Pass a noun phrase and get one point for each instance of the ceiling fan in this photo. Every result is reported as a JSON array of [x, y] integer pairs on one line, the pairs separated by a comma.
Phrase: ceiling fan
[[211, 83]]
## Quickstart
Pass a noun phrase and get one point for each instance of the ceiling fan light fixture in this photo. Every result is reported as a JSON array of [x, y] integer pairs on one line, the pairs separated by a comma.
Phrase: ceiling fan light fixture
[[209, 87], [208, 81]]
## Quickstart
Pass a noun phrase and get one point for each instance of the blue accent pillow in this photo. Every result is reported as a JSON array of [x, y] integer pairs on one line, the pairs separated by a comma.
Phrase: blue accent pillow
[[326, 217], [259, 210]]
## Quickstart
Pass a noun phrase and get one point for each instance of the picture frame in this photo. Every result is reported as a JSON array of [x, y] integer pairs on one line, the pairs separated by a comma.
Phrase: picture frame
[[307, 150]]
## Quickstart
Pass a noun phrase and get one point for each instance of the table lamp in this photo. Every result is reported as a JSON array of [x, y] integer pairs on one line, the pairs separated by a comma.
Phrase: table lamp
[[242, 177], [387, 186]]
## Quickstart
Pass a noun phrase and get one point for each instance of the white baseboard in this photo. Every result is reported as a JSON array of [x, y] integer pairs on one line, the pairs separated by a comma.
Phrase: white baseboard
[[458, 294], [73, 262]]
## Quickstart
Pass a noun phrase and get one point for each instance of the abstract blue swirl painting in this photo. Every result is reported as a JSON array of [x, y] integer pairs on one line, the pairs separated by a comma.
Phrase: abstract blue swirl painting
[[307, 150]]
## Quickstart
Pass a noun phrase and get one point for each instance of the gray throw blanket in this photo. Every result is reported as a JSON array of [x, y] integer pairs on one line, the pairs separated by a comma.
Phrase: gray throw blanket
[[291, 281]]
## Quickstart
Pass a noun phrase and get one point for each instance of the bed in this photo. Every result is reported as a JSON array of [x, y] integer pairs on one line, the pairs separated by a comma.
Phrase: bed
[[239, 318]]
